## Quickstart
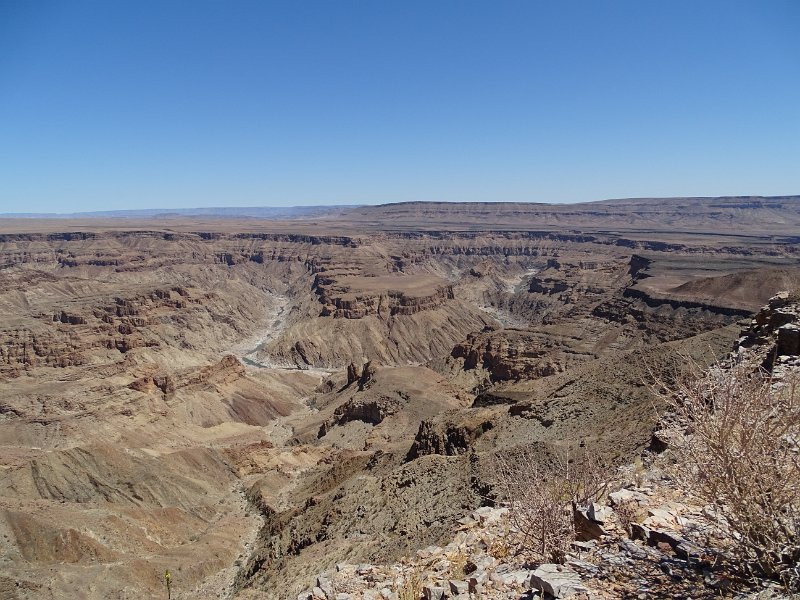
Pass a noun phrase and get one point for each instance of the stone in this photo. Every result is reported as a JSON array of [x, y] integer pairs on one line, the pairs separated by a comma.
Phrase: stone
[[429, 551], [778, 300], [624, 495], [599, 513], [661, 517], [367, 375], [582, 566], [364, 569], [557, 580], [585, 528], [458, 587], [487, 514], [317, 593], [518, 577], [632, 549], [306, 595], [324, 584], [432, 592]]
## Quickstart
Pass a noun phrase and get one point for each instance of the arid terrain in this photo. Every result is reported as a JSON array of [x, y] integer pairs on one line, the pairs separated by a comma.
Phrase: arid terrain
[[247, 402]]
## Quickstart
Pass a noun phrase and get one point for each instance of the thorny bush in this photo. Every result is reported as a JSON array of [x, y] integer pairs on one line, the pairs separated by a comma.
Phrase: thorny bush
[[740, 454]]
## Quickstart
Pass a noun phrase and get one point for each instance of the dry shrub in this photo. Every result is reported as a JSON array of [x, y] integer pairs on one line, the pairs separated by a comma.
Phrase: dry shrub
[[629, 512], [741, 455], [541, 496]]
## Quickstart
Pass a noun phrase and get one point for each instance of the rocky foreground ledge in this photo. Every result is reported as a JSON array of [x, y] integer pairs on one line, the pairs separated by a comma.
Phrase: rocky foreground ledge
[[616, 559]]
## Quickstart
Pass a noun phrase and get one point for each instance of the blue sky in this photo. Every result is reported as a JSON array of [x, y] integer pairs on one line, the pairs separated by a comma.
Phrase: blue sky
[[142, 104]]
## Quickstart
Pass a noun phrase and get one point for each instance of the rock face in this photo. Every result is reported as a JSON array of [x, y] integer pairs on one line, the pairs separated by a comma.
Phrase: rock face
[[510, 355], [354, 297]]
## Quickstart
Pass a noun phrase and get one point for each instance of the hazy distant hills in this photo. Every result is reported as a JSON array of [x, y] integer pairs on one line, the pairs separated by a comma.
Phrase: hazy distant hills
[[730, 214], [737, 215], [261, 212]]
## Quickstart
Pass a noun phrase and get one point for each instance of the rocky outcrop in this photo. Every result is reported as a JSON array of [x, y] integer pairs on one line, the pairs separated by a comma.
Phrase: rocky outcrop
[[352, 374], [509, 354], [656, 301], [774, 332], [447, 438], [367, 375], [368, 410], [163, 382], [347, 304], [227, 369]]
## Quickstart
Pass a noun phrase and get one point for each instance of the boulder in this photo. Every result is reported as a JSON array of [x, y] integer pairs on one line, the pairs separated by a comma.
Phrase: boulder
[[624, 495], [599, 513], [324, 584], [585, 528]]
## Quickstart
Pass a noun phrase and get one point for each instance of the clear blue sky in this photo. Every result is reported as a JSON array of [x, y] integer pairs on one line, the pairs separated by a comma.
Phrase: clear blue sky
[[141, 104]]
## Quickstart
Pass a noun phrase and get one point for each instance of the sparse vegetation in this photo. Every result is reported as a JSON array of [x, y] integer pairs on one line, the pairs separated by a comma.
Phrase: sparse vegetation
[[411, 586], [741, 456], [542, 495]]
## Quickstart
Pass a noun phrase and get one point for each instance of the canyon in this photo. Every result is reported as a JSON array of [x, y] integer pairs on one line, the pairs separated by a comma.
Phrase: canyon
[[246, 402]]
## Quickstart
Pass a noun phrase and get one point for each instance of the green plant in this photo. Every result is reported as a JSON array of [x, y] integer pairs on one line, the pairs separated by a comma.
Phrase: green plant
[[168, 582]]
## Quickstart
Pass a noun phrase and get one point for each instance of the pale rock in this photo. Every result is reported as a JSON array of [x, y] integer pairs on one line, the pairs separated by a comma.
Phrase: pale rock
[[624, 495], [432, 592], [324, 584], [458, 587], [364, 569], [599, 513], [514, 578], [661, 517], [557, 580], [487, 514], [585, 528]]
